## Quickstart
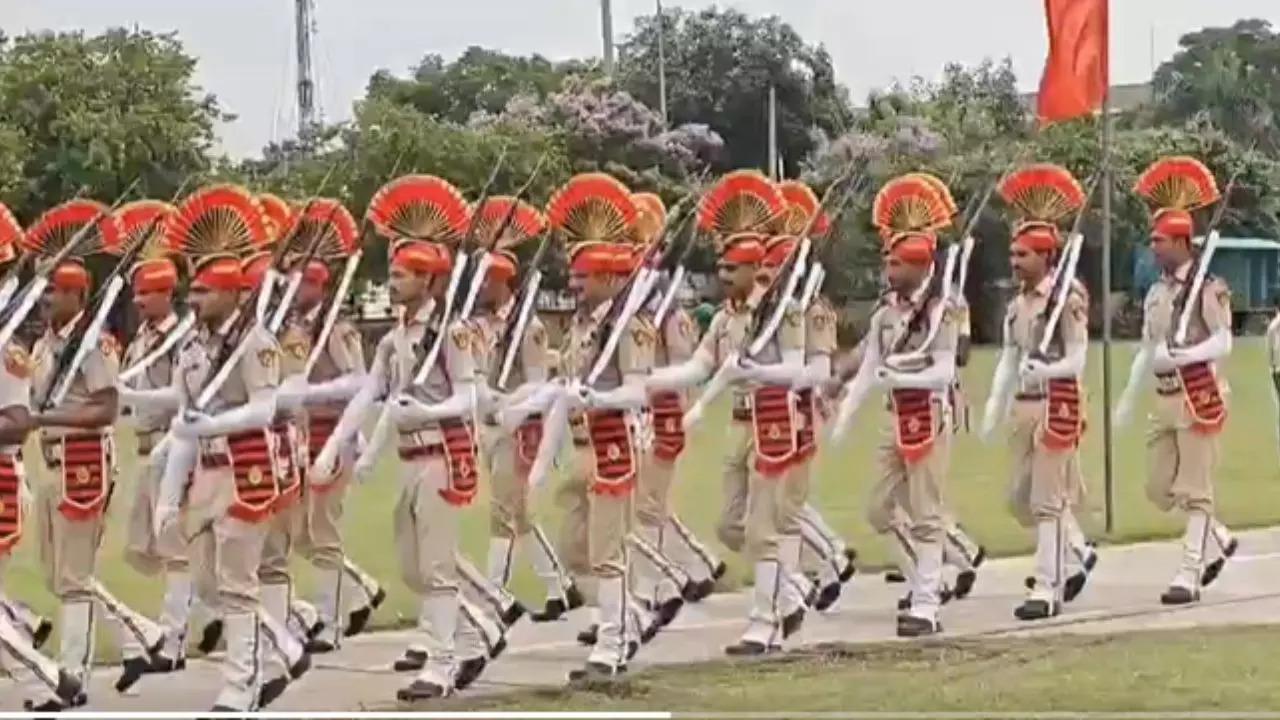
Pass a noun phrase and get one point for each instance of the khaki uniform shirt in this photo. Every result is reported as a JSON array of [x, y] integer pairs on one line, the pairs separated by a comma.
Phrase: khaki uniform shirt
[[725, 336], [98, 372], [890, 322], [258, 369], [15, 384], [1159, 322], [1025, 321], [633, 356], [396, 362], [158, 375], [1273, 344], [343, 354], [531, 362]]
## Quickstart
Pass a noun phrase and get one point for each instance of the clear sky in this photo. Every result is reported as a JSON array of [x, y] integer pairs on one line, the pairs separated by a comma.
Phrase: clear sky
[[246, 47]]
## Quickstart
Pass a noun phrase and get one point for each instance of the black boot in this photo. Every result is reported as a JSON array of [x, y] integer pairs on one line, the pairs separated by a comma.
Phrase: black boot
[[1036, 610], [272, 690], [210, 636], [964, 583], [1178, 595], [512, 614], [588, 637], [750, 648], [668, 610], [410, 661], [827, 596], [316, 646], [849, 569], [358, 619], [131, 671], [1074, 585], [469, 671], [703, 590], [40, 635], [70, 691], [1214, 569], [912, 626], [894, 576], [420, 690], [552, 611], [791, 622], [596, 671]]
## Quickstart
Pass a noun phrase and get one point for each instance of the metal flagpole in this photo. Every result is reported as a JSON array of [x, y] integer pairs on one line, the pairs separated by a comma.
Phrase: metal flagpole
[[606, 29], [1107, 459], [662, 64], [772, 163]]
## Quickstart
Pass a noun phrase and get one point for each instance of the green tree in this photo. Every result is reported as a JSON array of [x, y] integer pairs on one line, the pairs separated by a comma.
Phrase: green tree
[[92, 114], [719, 67], [1228, 77], [479, 80]]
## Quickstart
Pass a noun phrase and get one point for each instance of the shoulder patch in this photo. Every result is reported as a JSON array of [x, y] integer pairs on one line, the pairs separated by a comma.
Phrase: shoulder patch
[[792, 317], [267, 357], [461, 337], [642, 333], [17, 362]]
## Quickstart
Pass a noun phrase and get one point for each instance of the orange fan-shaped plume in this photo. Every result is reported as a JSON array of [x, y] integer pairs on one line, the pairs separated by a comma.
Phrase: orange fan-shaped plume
[[943, 191], [142, 222], [909, 204], [420, 207], [526, 223], [327, 225], [55, 228], [219, 219], [592, 207], [1042, 192], [651, 217], [10, 234], [278, 213], [802, 203], [742, 201], [1181, 183]]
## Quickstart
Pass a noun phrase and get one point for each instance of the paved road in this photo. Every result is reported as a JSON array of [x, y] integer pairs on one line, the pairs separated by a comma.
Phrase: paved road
[[1122, 595]]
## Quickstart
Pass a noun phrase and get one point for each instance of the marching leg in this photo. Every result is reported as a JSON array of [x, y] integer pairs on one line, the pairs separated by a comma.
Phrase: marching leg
[[503, 604], [921, 618], [563, 594], [328, 611], [140, 640], [1081, 556], [964, 554], [1046, 596], [363, 589], [657, 572], [477, 639], [1185, 587], [1222, 547], [701, 564], [46, 686], [283, 656], [26, 620]]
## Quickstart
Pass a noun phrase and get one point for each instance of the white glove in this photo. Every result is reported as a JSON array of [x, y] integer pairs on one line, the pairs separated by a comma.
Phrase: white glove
[[26, 497], [165, 516], [292, 392], [1033, 370], [1162, 359], [408, 410], [326, 461], [990, 419], [1124, 411], [692, 417], [365, 464]]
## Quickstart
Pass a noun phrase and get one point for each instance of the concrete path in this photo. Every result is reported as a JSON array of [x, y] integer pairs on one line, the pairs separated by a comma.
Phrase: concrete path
[[1122, 595]]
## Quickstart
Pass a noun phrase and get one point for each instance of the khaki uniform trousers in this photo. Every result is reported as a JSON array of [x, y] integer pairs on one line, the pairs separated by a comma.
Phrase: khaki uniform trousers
[[911, 494], [319, 535], [1180, 461], [653, 492], [510, 516], [68, 548], [144, 551], [426, 528], [283, 529], [731, 528], [224, 552], [595, 525], [1045, 483]]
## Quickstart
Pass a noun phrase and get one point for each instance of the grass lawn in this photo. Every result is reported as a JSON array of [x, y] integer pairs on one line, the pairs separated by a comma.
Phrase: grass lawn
[[1205, 670], [1248, 483]]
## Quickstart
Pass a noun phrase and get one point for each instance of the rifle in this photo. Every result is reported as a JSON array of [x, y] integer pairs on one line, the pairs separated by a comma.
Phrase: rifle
[[433, 338], [331, 305], [1188, 297]]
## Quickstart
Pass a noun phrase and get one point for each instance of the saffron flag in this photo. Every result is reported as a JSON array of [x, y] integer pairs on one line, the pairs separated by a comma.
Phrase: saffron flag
[[1076, 75]]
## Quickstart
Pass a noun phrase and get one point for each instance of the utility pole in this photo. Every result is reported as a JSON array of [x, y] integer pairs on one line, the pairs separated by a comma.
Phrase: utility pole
[[606, 30], [662, 64], [304, 24]]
